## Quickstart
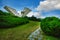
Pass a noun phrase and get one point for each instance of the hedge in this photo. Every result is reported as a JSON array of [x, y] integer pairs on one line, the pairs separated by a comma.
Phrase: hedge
[[51, 26]]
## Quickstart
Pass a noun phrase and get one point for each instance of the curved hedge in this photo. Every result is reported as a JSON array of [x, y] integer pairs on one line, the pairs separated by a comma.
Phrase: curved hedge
[[9, 21], [51, 26]]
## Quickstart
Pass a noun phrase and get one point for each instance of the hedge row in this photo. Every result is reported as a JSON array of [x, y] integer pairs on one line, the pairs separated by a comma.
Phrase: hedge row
[[7, 20], [51, 26]]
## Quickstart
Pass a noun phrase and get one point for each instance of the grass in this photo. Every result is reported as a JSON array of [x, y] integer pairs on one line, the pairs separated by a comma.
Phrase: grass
[[46, 37], [20, 32], [50, 38]]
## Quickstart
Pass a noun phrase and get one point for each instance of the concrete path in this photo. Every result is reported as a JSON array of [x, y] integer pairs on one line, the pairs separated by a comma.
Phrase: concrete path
[[36, 35]]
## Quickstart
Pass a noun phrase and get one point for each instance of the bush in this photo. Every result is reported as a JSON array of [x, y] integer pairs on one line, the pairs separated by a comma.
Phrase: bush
[[7, 20], [5, 13], [33, 18], [51, 26]]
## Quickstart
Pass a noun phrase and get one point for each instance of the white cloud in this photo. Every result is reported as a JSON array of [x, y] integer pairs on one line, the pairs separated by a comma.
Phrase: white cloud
[[36, 14], [48, 5], [19, 13], [30, 14], [42, 16], [57, 6]]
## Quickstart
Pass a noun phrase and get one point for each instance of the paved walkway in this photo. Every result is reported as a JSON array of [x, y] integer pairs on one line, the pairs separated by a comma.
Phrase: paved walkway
[[36, 35]]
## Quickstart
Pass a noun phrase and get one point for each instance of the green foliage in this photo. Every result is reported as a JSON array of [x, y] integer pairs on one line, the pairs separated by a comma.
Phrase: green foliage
[[7, 20], [3, 13], [51, 26], [33, 18]]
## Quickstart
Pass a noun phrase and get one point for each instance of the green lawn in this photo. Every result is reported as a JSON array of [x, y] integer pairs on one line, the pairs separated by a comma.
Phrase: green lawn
[[50, 38], [18, 33], [46, 37]]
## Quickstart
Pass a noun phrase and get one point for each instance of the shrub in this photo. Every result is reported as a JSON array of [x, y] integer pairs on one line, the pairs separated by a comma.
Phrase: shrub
[[51, 26], [7, 20]]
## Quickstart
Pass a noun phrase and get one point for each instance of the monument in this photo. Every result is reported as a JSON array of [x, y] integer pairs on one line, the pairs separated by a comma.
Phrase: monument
[[25, 12], [11, 10], [15, 13]]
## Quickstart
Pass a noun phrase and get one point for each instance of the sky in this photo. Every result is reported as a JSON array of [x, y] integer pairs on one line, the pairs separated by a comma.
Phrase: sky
[[40, 8], [49, 8], [19, 4]]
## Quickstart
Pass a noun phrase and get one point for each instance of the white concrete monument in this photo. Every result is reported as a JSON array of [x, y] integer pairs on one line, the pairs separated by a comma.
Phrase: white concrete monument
[[14, 12], [11, 10], [25, 12]]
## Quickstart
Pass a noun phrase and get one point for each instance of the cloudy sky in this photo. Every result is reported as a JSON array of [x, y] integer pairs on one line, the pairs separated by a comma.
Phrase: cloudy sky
[[40, 8], [49, 8]]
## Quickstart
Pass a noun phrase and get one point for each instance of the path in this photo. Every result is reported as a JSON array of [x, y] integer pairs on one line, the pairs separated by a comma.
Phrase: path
[[36, 35]]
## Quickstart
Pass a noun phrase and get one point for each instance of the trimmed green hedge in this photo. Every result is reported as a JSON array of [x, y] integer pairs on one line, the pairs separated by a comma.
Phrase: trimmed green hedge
[[51, 26], [7, 20]]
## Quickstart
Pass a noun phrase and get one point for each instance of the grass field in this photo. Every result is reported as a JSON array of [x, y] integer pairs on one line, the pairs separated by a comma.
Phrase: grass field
[[18, 33], [50, 38]]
